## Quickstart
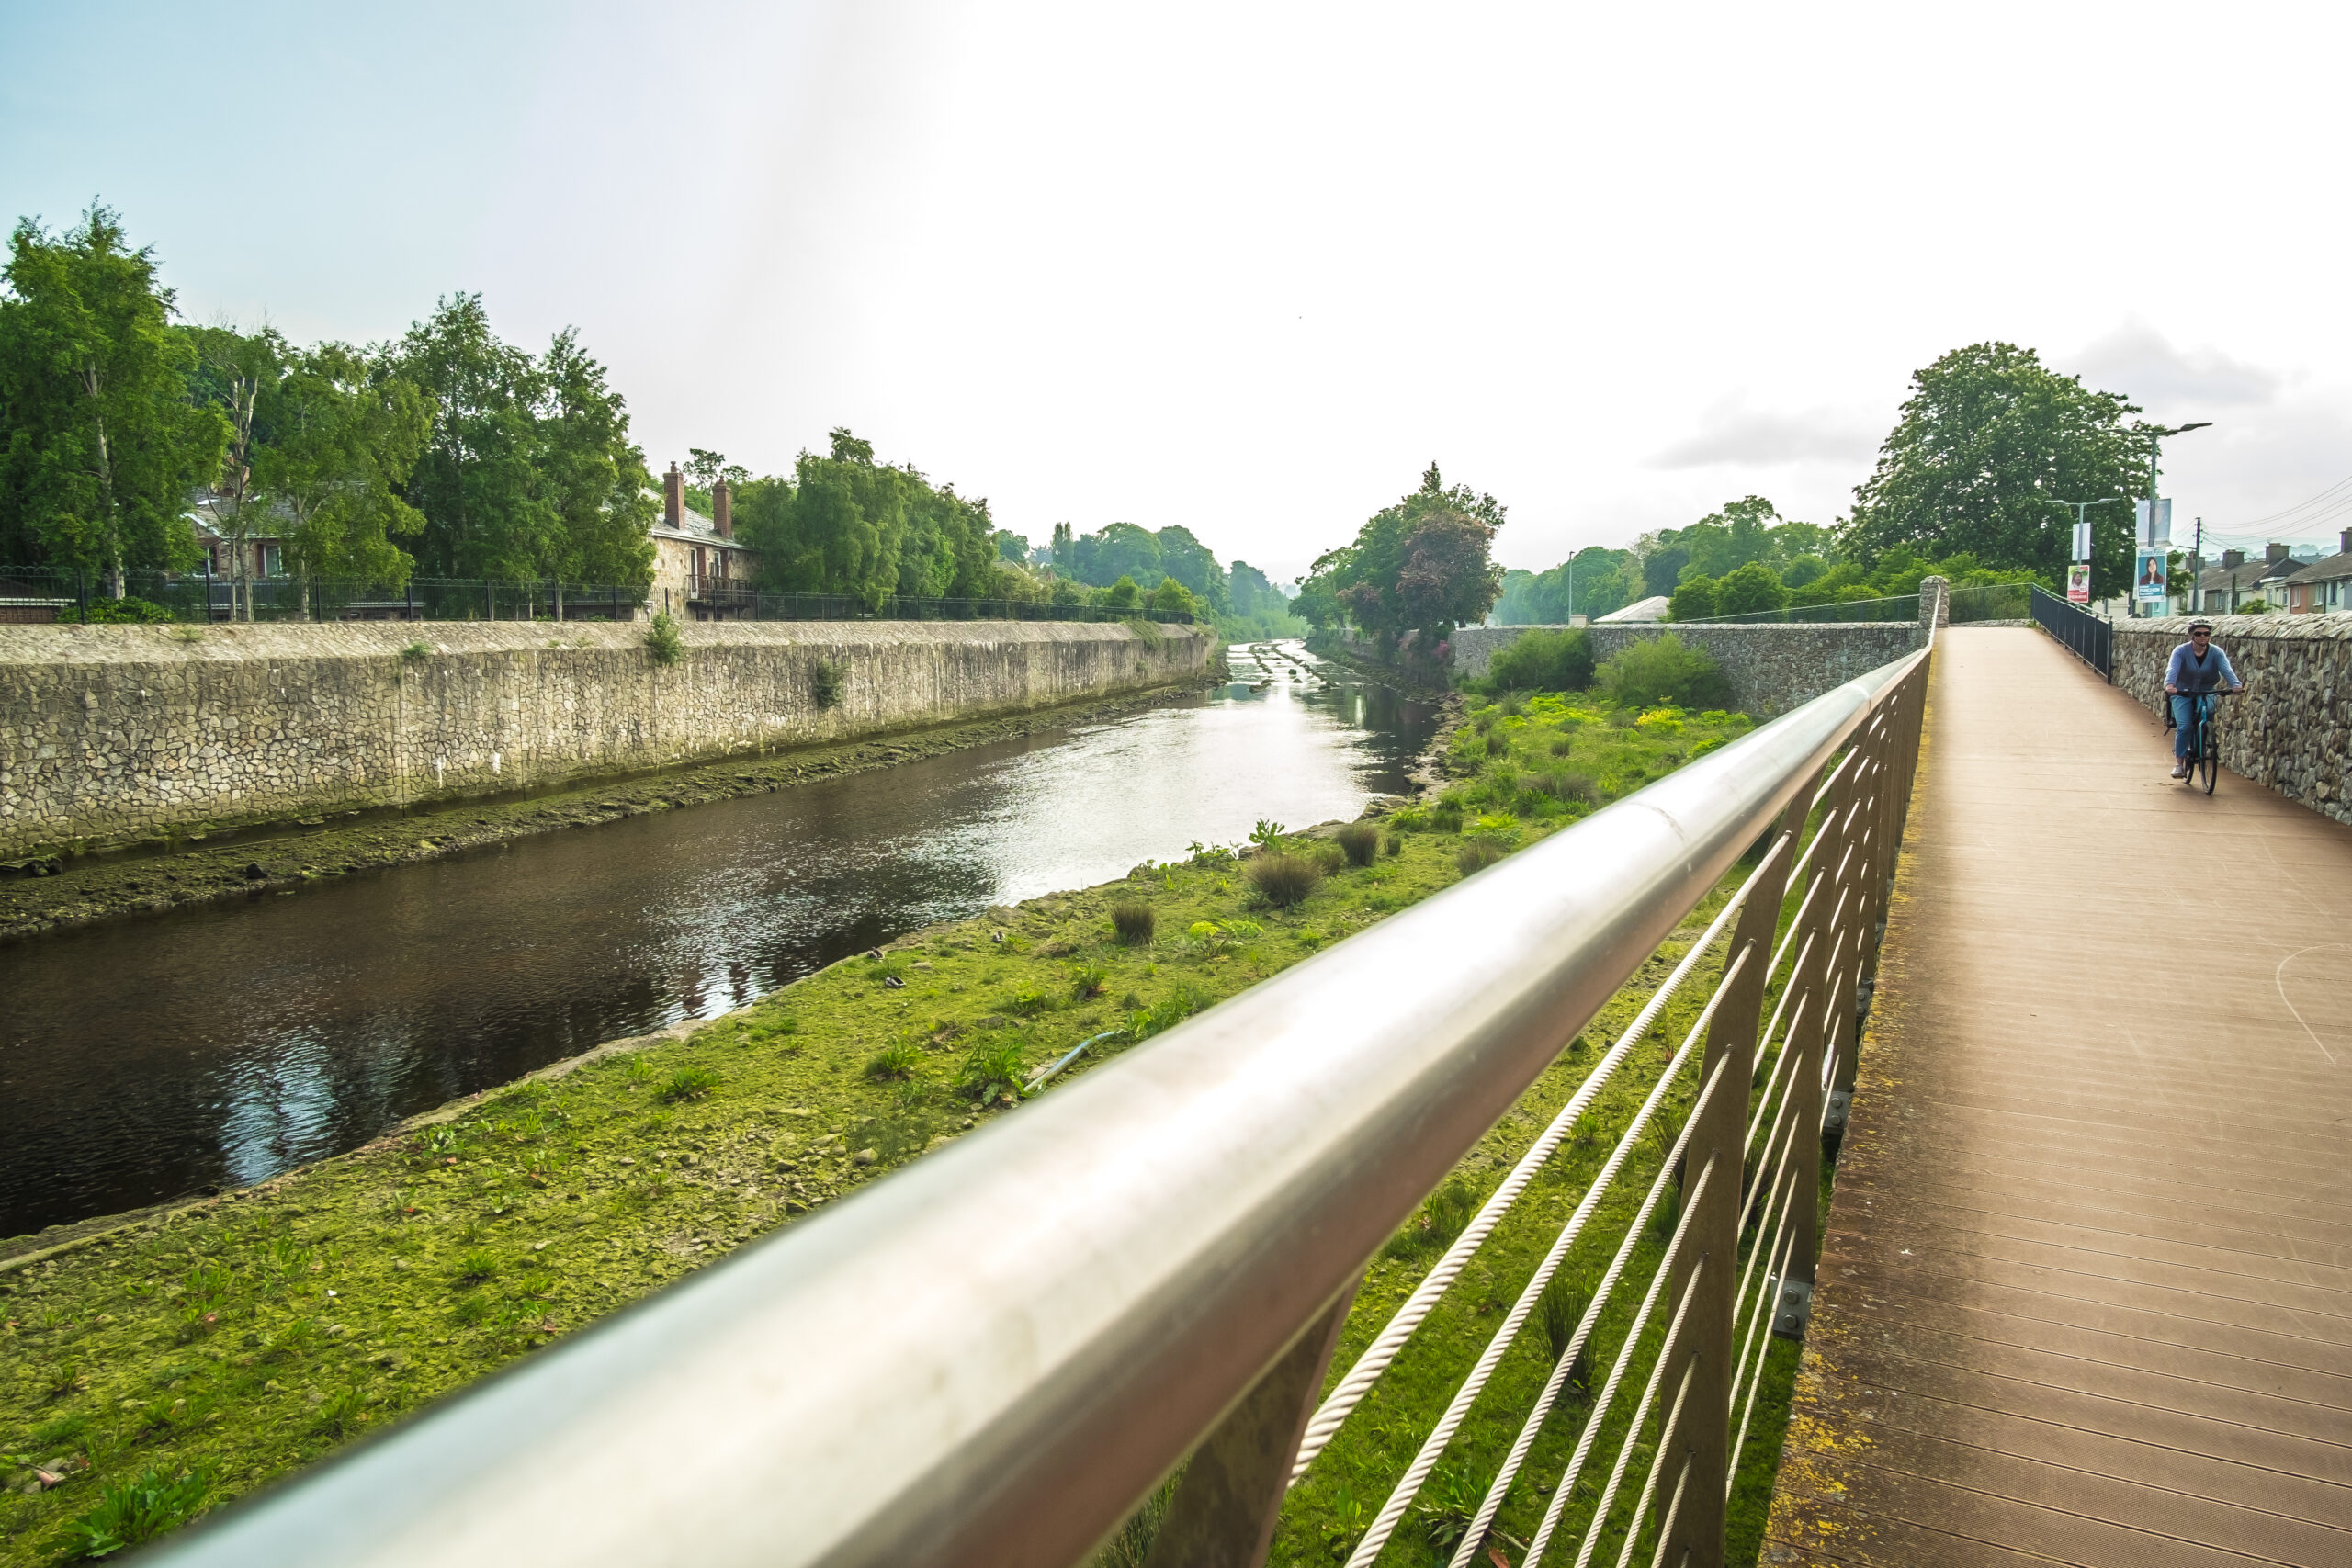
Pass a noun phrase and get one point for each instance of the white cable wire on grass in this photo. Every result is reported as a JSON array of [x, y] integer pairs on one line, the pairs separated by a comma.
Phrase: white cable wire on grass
[[1641, 1414], [1492, 1503], [1433, 1447], [1783, 1242], [1640, 1318], [1377, 1356]]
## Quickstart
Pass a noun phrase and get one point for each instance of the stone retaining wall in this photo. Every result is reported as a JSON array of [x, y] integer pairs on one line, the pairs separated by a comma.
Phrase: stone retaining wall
[[2292, 730], [1771, 667], [109, 734]]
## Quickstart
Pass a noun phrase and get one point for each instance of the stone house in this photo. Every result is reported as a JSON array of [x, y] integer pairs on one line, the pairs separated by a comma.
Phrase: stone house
[[700, 571]]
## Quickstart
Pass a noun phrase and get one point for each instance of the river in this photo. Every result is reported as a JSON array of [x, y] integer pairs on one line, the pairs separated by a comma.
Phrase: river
[[166, 1054]]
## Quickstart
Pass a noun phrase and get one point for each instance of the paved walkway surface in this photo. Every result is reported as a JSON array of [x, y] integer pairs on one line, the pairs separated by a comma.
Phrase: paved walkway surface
[[2085, 1291]]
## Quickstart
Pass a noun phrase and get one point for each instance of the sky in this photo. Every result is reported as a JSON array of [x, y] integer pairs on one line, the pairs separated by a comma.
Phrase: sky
[[1252, 268]]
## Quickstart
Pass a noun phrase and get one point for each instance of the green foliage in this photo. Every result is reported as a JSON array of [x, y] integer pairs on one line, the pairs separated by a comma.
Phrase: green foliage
[[1421, 565], [1660, 669], [1439, 1219], [124, 612], [1283, 880], [1749, 588], [825, 678], [100, 441], [132, 1512], [1134, 922], [688, 1083], [1694, 598], [661, 639], [1174, 597], [1557, 1312], [1543, 662], [1593, 581], [1121, 595], [476, 1267], [1989, 441], [1477, 855], [417, 653], [1164, 1014], [993, 1071], [897, 1060], [1087, 980], [1360, 842]]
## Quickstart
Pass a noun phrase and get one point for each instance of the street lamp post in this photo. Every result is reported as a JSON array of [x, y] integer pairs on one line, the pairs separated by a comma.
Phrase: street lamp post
[[2081, 550], [2156, 434]]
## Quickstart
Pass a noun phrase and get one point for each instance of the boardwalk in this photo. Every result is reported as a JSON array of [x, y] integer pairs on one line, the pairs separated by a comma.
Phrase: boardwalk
[[2086, 1294]]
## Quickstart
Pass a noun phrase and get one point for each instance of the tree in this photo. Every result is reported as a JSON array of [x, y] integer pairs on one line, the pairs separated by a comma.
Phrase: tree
[[1989, 442], [1746, 588], [1424, 564], [232, 372], [1694, 598], [1010, 546], [344, 433], [1193, 563], [476, 481], [1173, 596], [593, 475], [104, 439], [1123, 595]]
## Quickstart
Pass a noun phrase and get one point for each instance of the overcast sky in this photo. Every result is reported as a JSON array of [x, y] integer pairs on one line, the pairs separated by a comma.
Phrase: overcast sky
[[1250, 268]]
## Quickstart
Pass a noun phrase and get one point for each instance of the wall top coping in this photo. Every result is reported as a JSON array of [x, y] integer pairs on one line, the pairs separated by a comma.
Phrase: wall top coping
[[2263, 628], [223, 643], [1737, 627]]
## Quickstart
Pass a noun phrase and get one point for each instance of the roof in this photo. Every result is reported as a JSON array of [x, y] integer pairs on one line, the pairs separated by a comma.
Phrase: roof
[[2327, 571], [696, 529], [1650, 609], [2253, 574]]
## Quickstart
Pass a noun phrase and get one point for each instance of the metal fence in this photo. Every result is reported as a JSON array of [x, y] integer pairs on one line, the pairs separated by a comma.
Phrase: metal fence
[[993, 1356], [44, 594], [2088, 637], [1903, 607]]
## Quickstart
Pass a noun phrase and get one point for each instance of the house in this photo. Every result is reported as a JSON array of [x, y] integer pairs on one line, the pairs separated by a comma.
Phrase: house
[[1655, 608], [2221, 590], [700, 571], [2323, 588], [262, 547]]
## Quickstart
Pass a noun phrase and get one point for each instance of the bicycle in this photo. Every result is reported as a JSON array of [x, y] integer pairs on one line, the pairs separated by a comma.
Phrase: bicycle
[[2204, 753]]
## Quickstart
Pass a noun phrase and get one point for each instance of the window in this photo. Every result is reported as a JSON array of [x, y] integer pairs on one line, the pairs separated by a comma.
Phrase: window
[[273, 561]]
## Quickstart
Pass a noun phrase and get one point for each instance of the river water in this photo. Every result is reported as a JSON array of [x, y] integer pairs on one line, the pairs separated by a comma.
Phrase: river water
[[156, 1056]]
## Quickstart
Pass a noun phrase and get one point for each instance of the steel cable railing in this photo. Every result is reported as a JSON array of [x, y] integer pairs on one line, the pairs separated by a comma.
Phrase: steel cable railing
[[1173, 1240]]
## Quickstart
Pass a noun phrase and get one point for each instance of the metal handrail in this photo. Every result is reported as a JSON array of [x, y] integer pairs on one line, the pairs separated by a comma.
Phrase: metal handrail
[[993, 1355], [2088, 637]]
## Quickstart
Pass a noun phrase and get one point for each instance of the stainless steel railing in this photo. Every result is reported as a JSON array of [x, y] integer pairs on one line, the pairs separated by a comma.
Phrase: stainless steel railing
[[991, 1356]]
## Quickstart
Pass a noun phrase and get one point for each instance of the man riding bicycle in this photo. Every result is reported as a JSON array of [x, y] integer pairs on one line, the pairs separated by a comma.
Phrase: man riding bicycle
[[2198, 670]]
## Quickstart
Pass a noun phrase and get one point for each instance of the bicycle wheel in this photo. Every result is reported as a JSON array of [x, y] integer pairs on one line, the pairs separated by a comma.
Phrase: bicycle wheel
[[2210, 753]]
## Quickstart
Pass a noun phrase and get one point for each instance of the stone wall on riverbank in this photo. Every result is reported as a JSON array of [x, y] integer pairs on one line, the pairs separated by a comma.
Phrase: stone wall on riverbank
[[2292, 730], [112, 734]]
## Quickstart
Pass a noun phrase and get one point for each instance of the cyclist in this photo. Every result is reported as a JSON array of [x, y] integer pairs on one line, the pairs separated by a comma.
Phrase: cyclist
[[2198, 669]]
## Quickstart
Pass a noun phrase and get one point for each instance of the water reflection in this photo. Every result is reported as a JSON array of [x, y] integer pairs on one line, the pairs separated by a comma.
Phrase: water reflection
[[145, 1059]]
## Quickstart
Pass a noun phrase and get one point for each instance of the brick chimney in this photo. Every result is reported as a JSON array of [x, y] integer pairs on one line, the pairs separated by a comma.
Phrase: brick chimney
[[674, 499], [722, 509], [2274, 554], [2345, 538], [2233, 559]]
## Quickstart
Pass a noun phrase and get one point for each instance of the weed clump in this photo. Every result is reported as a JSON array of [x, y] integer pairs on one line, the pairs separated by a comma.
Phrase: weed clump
[[1439, 1220], [1134, 921], [1557, 1312], [897, 1060], [477, 1266], [417, 653], [1360, 842], [993, 1072], [1477, 855], [1283, 880], [1087, 980], [825, 679], [687, 1083], [661, 639], [132, 1512]]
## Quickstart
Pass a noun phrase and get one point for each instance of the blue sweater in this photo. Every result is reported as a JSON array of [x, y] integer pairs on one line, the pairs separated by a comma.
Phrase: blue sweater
[[2186, 675]]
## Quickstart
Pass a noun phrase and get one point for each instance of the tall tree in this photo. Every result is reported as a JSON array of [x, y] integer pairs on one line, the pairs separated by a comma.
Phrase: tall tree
[[345, 432], [594, 477], [475, 483], [234, 372], [104, 439], [1990, 441], [1424, 564]]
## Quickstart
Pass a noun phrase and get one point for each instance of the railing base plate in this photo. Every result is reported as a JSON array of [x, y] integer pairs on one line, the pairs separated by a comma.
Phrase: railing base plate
[[1792, 1307]]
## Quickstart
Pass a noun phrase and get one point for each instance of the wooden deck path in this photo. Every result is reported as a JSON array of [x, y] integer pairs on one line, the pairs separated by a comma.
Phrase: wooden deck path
[[2086, 1291]]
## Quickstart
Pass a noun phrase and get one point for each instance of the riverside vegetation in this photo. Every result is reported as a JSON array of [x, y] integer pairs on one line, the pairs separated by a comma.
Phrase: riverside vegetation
[[165, 1368]]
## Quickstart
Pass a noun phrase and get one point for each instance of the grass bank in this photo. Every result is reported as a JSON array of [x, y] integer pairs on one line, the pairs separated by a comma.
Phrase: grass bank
[[171, 1366], [50, 893]]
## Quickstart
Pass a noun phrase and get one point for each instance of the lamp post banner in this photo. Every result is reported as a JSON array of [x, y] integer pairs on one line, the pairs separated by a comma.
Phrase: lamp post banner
[[2078, 584], [2148, 576]]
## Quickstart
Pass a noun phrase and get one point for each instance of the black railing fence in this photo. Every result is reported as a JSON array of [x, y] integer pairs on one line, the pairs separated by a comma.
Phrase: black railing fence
[[1981, 601], [52, 594], [2088, 637]]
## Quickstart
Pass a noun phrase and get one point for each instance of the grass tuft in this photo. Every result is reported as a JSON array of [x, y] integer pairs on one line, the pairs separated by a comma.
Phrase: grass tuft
[[1360, 842], [1134, 921], [1283, 880], [687, 1083], [129, 1513], [1477, 855], [897, 1060]]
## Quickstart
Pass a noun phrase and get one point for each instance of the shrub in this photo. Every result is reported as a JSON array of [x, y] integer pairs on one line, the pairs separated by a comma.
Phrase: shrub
[[1543, 661], [661, 639], [130, 1512], [993, 1071], [1173, 595], [1360, 842], [1746, 588], [118, 612], [1660, 672], [1694, 598], [1477, 855], [1446, 817], [1283, 880], [896, 1060], [1394, 844], [688, 1083], [825, 682], [1121, 595], [1134, 921]]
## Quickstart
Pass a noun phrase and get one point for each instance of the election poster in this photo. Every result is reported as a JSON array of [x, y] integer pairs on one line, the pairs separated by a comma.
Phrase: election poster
[[2078, 584]]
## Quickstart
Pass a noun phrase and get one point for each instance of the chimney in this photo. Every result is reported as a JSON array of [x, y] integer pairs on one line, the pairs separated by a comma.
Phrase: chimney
[[722, 509], [2274, 554], [2233, 559], [2345, 538], [674, 499]]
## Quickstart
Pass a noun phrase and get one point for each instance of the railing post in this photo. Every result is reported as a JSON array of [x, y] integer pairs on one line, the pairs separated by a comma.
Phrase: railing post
[[1224, 1510], [1809, 1024], [1707, 1344]]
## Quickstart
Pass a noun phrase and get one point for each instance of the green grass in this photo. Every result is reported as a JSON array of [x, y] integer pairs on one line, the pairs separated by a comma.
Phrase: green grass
[[342, 1295]]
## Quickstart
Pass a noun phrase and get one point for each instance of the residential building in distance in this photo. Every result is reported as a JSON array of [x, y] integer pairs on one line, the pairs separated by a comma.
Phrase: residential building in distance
[[700, 571], [2223, 590], [2323, 588]]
